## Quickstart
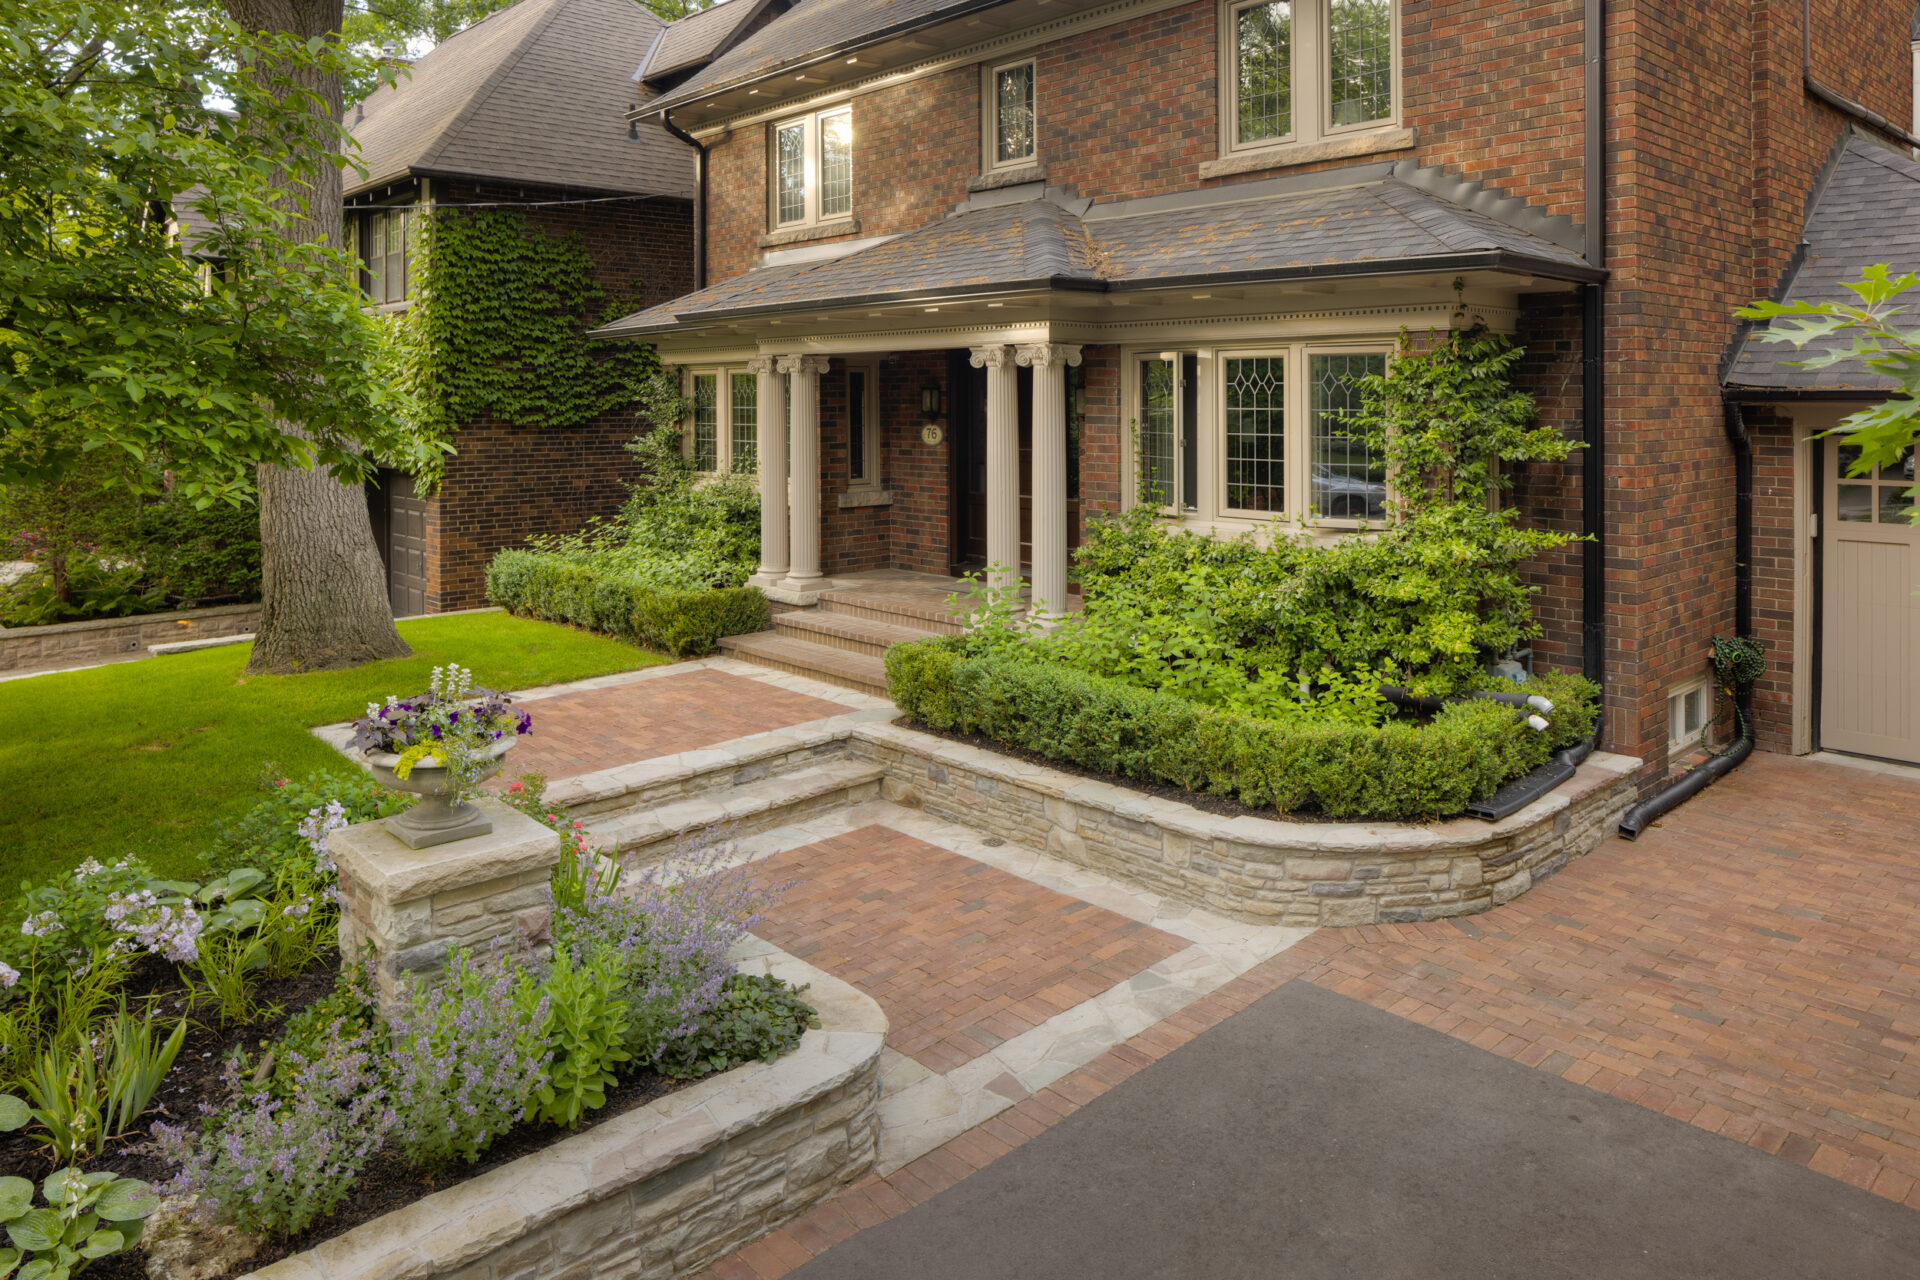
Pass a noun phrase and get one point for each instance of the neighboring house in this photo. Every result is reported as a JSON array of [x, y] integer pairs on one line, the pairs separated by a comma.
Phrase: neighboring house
[[988, 263], [525, 107]]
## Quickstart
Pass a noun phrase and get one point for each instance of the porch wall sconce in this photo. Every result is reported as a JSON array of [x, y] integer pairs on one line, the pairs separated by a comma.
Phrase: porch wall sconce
[[931, 411]]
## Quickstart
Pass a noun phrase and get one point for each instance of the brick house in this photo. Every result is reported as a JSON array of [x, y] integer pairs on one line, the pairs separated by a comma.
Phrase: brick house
[[523, 110], [952, 249]]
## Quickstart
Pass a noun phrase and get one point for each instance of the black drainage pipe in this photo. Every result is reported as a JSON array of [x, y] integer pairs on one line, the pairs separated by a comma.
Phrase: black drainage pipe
[[1697, 780]]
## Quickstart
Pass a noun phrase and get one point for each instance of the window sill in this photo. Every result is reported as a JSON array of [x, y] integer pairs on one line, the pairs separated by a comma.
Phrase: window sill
[[818, 231], [1344, 147], [865, 498], [1008, 178]]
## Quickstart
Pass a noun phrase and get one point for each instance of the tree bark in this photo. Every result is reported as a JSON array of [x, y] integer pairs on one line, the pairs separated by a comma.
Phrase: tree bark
[[323, 588]]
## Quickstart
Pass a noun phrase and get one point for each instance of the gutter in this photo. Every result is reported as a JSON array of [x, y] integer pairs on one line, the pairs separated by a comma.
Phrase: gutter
[[700, 213]]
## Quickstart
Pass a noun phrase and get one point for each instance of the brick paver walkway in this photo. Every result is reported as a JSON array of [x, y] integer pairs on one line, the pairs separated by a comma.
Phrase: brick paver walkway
[[961, 955], [576, 733], [1750, 966]]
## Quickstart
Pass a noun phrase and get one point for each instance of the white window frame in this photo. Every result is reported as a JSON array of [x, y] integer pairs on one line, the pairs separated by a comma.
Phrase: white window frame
[[723, 376], [811, 170], [990, 117], [1679, 737], [1312, 113]]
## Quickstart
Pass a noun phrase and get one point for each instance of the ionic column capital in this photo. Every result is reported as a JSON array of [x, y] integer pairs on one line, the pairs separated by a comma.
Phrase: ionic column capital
[[1041, 355], [997, 356], [815, 365], [762, 364]]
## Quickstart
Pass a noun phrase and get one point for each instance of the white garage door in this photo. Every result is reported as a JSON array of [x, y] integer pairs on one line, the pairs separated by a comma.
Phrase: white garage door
[[1870, 626]]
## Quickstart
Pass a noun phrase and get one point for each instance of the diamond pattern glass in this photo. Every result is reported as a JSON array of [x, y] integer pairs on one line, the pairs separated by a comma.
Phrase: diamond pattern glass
[[746, 422], [1256, 425], [791, 155], [1349, 483], [706, 423], [1158, 396], [1013, 113], [836, 164], [1360, 60], [1263, 66]]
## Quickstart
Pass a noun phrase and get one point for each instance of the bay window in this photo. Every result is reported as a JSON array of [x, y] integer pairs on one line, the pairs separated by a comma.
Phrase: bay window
[[1306, 71]]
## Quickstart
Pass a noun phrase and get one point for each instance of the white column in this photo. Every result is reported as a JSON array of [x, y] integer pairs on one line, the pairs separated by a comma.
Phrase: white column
[[1049, 363], [1003, 462], [772, 452], [803, 574]]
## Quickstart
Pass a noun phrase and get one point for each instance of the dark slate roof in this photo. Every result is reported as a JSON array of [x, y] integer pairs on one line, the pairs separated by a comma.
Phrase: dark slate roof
[[534, 93], [1864, 214], [698, 37], [1060, 243]]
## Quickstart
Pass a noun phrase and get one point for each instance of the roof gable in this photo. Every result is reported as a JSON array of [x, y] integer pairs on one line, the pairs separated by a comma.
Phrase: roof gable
[[535, 93], [699, 38]]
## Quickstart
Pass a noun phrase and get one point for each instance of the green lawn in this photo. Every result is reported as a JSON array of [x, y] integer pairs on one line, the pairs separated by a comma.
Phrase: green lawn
[[145, 758]]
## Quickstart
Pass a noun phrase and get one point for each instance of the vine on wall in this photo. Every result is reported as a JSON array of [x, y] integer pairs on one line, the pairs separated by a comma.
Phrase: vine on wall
[[498, 327]]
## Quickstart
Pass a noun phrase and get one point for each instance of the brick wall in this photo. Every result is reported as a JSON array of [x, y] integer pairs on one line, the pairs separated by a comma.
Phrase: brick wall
[[920, 522], [1102, 434], [508, 480], [1771, 431]]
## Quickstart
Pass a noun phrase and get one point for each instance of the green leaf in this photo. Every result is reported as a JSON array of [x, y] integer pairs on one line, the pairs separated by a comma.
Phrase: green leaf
[[38, 1269], [14, 1113], [16, 1197], [126, 1200], [64, 1186], [36, 1231], [102, 1243], [9, 1259]]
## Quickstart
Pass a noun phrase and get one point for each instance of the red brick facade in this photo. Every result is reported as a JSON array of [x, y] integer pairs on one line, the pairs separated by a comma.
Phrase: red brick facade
[[1713, 146], [505, 480]]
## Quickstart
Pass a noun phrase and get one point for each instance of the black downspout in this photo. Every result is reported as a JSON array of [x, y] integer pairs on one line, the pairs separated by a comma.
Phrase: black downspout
[[700, 214]]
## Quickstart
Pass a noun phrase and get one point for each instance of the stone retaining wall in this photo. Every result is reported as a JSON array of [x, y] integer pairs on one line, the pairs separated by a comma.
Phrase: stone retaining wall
[[660, 1192], [1256, 869], [77, 642]]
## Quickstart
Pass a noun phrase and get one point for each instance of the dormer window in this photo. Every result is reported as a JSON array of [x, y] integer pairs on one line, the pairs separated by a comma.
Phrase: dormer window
[[1300, 72], [813, 168], [1010, 120]]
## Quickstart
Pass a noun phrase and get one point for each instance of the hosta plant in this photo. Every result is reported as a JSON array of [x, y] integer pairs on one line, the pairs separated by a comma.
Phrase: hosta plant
[[86, 1216]]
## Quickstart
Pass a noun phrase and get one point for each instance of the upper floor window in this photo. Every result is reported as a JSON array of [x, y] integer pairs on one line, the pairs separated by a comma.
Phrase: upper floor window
[[384, 236], [1010, 115], [813, 168], [1302, 70]]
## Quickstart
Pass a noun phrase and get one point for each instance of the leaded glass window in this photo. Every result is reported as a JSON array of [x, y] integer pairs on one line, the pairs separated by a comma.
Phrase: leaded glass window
[[1159, 396], [1013, 122], [1263, 68], [745, 419], [706, 423], [1360, 60], [791, 164], [1349, 482], [836, 164], [1256, 427]]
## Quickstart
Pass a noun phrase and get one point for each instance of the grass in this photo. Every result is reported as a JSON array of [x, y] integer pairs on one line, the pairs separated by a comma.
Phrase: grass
[[147, 758]]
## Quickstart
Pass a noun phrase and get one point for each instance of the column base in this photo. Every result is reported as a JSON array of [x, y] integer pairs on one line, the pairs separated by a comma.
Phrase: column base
[[767, 579], [801, 591]]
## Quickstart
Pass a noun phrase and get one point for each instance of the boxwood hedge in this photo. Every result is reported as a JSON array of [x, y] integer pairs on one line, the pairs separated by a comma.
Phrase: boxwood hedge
[[542, 585], [1398, 771]]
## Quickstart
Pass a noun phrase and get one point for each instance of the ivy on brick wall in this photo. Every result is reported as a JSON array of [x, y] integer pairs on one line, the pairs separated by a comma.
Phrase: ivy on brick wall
[[498, 328]]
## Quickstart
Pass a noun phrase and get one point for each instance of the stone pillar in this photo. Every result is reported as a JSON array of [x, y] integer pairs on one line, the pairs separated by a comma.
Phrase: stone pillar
[[1049, 362], [772, 430], [414, 906], [1003, 461], [803, 576]]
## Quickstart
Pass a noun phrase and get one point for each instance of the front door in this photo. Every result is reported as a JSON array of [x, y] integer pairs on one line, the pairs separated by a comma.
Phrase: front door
[[968, 419], [1870, 614]]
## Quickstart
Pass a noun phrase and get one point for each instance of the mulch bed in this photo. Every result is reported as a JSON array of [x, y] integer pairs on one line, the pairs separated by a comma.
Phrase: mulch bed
[[386, 1184]]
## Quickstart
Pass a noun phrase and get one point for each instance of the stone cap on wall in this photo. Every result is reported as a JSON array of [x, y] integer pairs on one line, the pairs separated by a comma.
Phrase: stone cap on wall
[[368, 855]]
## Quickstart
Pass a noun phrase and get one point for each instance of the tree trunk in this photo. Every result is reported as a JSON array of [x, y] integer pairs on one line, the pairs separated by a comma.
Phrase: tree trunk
[[323, 588]]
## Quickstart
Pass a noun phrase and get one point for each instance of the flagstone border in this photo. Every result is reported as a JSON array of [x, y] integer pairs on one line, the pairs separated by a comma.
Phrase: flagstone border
[[663, 1190]]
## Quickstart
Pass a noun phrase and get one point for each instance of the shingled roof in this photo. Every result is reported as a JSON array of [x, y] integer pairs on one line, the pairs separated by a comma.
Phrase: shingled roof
[[700, 37], [1862, 215], [535, 93], [1052, 241]]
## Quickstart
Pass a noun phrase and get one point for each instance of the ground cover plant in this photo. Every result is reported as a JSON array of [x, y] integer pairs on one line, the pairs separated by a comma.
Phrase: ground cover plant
[[148, 759], [1268, 670]]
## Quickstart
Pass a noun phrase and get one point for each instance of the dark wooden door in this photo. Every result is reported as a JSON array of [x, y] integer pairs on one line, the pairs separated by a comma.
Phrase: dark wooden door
[[968, 421]]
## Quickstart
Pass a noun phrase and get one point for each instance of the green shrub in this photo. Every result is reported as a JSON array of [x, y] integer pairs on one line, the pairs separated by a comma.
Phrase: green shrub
[[758, 1018], [1398, 771], [548, 586]]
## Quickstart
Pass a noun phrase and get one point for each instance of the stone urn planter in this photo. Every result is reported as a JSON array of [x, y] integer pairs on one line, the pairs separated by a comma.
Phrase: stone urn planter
[[440, 816]]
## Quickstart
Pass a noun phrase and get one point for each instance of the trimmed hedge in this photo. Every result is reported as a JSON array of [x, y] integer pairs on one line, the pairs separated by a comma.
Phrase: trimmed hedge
[[683, 623], [1397, 772]]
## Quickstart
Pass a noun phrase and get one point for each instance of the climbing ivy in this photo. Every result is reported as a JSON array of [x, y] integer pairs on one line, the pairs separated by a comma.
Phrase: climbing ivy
[[498, 327]]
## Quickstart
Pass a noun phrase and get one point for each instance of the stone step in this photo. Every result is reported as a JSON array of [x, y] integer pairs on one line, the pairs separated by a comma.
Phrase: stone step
[[638, 837], [778, 652], [670, 779], [919, 611], [844, 631]]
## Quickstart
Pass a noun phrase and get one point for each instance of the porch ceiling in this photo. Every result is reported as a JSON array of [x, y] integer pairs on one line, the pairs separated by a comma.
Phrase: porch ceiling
[[1034, 243]]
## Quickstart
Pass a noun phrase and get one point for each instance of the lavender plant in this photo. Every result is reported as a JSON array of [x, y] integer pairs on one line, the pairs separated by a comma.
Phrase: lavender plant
[[467, 1057], [271, 1168], [454, 723]]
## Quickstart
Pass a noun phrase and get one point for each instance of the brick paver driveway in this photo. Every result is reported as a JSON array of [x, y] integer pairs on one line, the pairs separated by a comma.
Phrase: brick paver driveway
[[1750, 967]]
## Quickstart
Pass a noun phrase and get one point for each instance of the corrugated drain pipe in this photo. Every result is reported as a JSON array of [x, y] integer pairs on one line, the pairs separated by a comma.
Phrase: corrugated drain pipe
[[700, 214], [1693, 782]]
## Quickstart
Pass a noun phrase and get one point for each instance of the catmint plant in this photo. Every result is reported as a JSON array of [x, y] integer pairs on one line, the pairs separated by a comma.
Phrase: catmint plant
[[270, 1168], [466, 1058]]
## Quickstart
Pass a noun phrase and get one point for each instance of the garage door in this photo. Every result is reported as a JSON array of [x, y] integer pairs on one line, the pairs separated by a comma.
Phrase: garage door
[[406, 548], [1870, 624]]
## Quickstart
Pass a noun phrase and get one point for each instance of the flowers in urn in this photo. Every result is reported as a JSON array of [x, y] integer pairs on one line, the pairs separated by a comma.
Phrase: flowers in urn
[[453, 725]]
